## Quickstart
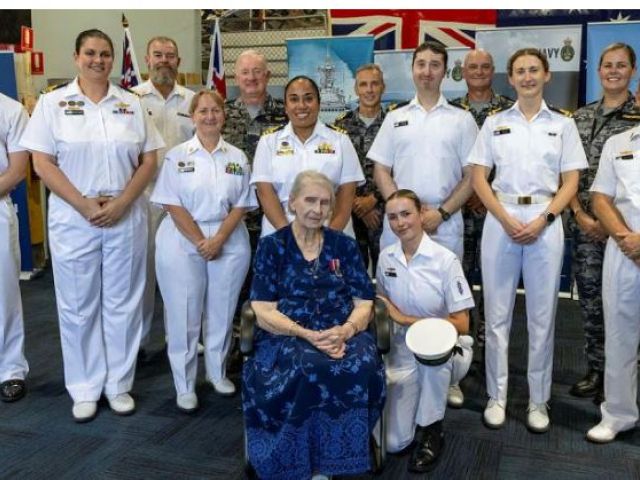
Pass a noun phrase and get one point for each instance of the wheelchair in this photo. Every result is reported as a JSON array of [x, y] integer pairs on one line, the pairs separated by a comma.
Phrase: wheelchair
[[380, 327]]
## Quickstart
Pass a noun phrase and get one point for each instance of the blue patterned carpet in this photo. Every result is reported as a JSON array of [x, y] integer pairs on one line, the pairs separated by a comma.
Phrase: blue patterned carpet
[[39, 440]]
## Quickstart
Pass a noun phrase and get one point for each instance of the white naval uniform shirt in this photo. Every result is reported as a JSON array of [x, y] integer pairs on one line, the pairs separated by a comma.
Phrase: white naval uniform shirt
[[431, 285], [170, 116], [618, 175], [426, 150], [281, 155], [13, 120], [207, 185], [95, 145], [528, 155]]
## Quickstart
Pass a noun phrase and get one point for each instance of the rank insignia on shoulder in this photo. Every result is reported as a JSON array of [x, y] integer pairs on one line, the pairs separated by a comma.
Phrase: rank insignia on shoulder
[[273, 129], [401, 123], [393, 106], [336, 128], [631, 116], [325, 149], [342, 116], [561, 111], [501, 131], [51, 88], [390, 272], [627, 155], [285, 148], [186, 166], [233, 168]]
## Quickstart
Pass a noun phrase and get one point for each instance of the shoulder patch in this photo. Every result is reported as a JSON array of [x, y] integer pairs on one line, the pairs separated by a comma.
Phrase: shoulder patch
[[561, 111], [51, 88], [392, 106], [336, 128], [271, 130]]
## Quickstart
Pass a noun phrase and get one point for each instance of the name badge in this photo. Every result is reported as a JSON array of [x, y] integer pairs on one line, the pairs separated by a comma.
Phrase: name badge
[[390, 272], [552, 134], [401, 123], [625, 156], [186, 115], [74, 111], [501, 131]]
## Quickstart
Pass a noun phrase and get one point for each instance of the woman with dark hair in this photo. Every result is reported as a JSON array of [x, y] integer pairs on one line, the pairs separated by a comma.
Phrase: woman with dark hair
[[537, 155], [94, 147], [314, 388], [304, 143]]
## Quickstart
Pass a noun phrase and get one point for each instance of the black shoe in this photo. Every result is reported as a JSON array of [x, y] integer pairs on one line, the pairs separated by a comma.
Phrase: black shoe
[[589, 386], [429, 443], [599, 397], [12, 390]]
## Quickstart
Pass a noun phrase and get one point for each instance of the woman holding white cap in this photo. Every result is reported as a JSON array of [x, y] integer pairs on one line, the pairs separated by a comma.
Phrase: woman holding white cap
[[417, 278]]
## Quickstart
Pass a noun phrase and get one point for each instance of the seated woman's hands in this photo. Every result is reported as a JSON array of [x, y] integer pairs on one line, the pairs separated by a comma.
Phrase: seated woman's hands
[[331, 342]]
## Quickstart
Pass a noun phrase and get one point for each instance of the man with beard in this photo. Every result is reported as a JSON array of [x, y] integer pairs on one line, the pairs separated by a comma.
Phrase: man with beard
[[168, 105]]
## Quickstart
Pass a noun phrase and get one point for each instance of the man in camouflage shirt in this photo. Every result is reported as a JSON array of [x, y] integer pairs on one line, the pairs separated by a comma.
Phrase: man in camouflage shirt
[[247, 118], [614, 113], [480, 101], [362, 125]]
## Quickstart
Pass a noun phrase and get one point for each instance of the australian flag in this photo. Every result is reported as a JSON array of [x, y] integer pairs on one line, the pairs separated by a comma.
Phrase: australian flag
[[520, 18], [406, 29], [130, 73], [215, 76]]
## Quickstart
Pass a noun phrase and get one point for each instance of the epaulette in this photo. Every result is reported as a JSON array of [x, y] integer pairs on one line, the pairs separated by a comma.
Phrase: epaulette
[[561, 111], [342, 116], [509, 100], [633, 115], [273, 129], [499, 109], [392, 106], [460, 105], [129, 90], [336, 128], [51, 88]]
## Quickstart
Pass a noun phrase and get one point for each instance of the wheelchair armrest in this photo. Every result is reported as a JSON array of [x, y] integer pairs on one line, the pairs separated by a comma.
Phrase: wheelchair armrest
[[247, 328], [381, 326]]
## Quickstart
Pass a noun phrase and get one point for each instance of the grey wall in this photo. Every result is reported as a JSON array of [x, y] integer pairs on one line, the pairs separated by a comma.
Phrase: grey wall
[[55, 32]]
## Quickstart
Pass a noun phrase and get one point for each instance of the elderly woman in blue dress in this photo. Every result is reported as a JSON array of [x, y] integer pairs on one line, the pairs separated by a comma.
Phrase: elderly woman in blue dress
[[314, 388]]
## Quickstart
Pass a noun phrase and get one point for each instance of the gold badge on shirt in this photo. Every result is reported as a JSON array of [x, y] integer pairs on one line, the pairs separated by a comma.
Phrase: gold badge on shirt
[[626, 155], [285, 148], [123, 109], [186, 166], [325, 149]]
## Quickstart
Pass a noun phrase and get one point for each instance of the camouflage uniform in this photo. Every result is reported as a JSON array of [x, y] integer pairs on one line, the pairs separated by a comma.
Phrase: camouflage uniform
[[362, 137], [474, 222], [595, 128], [244, 132]]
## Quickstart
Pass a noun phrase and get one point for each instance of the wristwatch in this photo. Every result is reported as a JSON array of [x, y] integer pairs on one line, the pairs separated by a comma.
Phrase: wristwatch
[[445, 215], [549, 217]]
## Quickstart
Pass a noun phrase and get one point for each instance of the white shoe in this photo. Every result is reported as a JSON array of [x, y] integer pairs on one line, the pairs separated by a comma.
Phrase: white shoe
[[494, 414], [121, 404], [224, 387], [84, 411], [537, 417], [200, 349], [601, 434], [187, 402], [455, 397]]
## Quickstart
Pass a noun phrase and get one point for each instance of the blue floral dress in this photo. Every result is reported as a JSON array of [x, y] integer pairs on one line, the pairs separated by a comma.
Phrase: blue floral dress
[[306, 413]]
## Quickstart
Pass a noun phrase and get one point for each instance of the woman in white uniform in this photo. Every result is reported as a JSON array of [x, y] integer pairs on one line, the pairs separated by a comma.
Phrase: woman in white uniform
[[304, 144], [13, 166], [94, 146], [532, 147], [418, 278], [202, 247]]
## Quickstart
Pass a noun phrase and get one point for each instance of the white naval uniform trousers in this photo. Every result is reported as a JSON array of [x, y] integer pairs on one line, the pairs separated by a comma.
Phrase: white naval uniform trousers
[[195, 292], [529, 157], [432, 284], [171, 118], [619, 178], [13, 364]]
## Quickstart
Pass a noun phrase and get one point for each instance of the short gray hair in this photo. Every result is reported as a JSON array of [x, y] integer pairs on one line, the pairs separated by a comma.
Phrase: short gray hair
[[307, 177]]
